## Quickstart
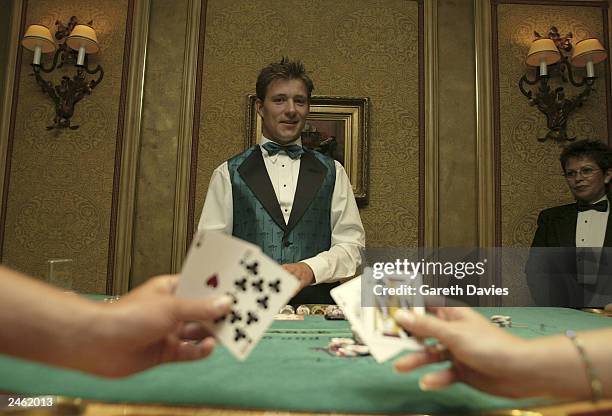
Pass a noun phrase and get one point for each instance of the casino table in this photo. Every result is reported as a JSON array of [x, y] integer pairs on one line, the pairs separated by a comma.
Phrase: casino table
[[288, 371]]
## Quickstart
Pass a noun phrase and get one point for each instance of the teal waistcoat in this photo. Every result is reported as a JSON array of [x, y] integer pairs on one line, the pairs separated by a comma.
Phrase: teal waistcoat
[[257, 216]]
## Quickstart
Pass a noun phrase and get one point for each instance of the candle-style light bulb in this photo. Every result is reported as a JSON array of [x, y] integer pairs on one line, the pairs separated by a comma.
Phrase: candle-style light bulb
[[590, 69], [81, 57], [543, 68], [37, 55]]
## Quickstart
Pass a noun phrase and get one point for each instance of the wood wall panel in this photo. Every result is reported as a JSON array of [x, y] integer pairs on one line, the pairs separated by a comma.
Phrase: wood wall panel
[[530, 174], [527, 171], [366, 48], [59, 198]]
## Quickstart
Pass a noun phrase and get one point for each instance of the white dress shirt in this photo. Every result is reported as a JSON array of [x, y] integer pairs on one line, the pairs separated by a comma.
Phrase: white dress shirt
[[590, 236], [347, 234], [591, 227]]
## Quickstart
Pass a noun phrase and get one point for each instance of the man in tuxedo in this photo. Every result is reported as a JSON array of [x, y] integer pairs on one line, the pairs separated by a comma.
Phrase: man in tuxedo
[[571, 262], [293, 202]]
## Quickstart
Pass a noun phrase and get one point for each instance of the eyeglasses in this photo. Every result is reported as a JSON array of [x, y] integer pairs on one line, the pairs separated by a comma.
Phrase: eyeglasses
[[586, 172]]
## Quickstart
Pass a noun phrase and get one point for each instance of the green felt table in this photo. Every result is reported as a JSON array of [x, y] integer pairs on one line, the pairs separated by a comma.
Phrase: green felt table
[[288, 370]]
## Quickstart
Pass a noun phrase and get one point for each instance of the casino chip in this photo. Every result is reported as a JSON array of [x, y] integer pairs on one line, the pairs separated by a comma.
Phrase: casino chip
[[346, 347], [287, 310], [303, 310], [502, 321], [317, 309], [334, 312]]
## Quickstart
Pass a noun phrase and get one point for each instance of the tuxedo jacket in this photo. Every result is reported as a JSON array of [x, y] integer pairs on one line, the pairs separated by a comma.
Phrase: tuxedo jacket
[[557, 228], [552, 265]]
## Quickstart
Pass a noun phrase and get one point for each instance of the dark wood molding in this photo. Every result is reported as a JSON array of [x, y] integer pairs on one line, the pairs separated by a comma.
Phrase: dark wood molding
[[119, 148], [497, 278], [11, 138], [607, 71], [197, 107], [496, 127], [421, 58], [601, 3]]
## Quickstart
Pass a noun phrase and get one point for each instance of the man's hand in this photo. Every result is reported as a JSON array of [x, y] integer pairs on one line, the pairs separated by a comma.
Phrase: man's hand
[[150, 326], [147, 327], [302, 271]]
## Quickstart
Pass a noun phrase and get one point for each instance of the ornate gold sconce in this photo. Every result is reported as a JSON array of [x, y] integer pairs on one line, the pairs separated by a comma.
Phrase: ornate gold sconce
[[71, 45], [554, 56]]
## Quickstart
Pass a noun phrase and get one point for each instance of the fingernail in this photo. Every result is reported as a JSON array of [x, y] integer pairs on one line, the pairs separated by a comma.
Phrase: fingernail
[[428, 382], [395, 369], [209, 343], [423, 385], [404, 317], [223, 302]]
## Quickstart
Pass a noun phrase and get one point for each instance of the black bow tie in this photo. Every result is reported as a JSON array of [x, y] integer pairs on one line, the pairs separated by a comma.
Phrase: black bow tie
[[600, 206], [294, 151]]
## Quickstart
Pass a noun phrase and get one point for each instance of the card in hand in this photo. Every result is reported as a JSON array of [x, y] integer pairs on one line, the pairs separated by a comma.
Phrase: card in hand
[[210, 266], [363, 322], [220, 264], [262, 288], [379, 318]]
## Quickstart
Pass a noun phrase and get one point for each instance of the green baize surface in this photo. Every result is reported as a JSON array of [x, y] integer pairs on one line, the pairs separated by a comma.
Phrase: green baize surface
[[288, 371]]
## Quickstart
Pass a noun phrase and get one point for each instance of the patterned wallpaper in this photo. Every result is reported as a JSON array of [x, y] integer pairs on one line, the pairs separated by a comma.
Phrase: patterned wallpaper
[[61, 182], [358, 48], [530, 172]]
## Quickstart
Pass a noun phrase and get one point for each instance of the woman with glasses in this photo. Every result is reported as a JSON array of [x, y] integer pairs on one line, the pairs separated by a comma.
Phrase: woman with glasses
[[577, 272]]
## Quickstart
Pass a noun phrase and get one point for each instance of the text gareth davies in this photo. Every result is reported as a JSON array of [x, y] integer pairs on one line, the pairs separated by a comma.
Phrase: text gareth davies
[[426, 290]]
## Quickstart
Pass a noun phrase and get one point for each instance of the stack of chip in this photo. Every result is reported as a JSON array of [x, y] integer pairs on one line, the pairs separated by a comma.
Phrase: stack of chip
[[346, 347], [317, 309], [287, 310], [333, 312], [303, 310], [502, 321]]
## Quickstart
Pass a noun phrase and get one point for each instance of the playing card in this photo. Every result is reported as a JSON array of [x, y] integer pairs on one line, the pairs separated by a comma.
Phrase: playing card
[[261, 289], [211, 266], [363, 322], [379, 318], [220, 264], [348, 297]]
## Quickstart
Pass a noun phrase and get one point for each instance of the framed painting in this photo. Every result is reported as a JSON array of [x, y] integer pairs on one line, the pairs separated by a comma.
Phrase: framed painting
[[337, 127]]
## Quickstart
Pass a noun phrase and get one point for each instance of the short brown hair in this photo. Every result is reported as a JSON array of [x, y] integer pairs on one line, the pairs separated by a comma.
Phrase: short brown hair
[[598, 151], [285, 69]]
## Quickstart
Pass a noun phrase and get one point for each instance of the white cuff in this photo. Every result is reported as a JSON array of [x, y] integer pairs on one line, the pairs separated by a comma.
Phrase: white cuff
[[319, 268]]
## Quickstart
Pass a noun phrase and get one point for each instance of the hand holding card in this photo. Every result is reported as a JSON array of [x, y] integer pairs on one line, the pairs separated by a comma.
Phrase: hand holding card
[[374, 325], [220, 264]]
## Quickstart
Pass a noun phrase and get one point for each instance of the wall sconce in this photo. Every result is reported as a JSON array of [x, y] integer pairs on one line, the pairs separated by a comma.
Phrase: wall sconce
[[552, 57], [75, 41]]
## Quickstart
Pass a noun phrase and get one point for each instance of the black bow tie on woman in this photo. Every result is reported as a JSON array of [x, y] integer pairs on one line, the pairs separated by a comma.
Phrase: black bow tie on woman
[[293, 151], [600, 206]]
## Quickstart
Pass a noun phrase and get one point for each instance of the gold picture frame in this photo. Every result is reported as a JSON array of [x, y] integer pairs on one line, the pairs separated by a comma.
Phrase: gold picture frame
[[337, 126]]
